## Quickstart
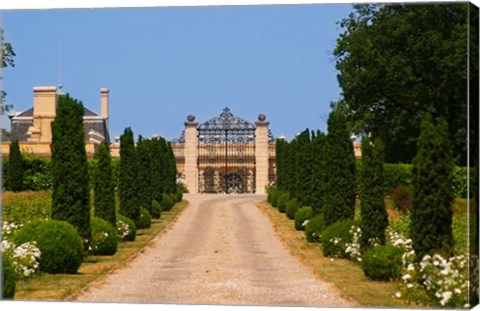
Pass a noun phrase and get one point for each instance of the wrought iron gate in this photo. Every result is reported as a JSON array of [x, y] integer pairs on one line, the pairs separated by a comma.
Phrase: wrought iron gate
[[226, 155]]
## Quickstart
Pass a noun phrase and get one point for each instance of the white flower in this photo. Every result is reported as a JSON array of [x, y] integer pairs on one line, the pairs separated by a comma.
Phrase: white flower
[[445, 297], [398, 294], [406, 277], [305, 222]]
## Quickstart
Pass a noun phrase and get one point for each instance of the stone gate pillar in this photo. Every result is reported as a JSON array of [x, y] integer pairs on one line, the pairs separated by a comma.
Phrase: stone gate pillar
[[191, 154], [261, 154]]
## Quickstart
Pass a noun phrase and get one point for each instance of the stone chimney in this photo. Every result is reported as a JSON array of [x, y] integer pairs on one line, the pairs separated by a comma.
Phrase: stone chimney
[[44, 111], [104, 102]]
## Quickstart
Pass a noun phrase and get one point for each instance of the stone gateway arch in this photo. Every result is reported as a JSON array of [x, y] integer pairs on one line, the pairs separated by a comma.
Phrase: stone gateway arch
[[226, 154]]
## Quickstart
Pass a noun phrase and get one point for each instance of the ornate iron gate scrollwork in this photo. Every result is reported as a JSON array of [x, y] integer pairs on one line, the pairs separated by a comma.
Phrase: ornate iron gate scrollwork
[[226, 155]]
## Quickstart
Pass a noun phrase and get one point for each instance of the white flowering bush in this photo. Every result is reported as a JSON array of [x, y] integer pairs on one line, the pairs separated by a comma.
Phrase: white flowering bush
[[25, 257], [123, 230], [104, 237], [352, 249]]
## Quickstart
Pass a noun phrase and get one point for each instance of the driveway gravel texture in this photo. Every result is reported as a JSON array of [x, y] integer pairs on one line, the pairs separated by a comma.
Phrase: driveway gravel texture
[[222, 250]]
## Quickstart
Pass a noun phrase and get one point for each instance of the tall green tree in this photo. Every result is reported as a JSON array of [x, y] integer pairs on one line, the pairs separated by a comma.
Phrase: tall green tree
[[104, 198], [373, 211], [339, 198], [318, 172], [396, 61], [15, 167], [172, 169], [128, 191], [144, 174], [6, 59], [71, 193], [157, 169], [432, 197]]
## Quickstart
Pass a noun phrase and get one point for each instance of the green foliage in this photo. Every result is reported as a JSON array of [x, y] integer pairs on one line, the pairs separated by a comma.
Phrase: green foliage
[[104, 199], [432, 197], [398, 61], [402, 199], [71, 193], [339, 197], [132, 228], [6, 59], [396, 175], [23, 210], [460, 182], [335, 237], [178, 195], [373, 211], [144, 173], [59, 243], [382, 263], [8, 277], [145, 219], [318, 172], [167, 202], [292, 207], [128, 191], [275, 195], [282, 201], [303, 214], [156, 209], [15, 170], [104, 237], [270, 194], [314, 228]]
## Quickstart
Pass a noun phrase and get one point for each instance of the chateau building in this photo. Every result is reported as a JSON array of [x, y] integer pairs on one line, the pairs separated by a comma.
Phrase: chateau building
[[226, 154], [32, 127]]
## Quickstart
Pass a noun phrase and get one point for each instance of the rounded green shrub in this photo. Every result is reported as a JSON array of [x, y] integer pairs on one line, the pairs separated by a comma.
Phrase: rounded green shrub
[[59, 243], [292, 207], [156, 209], [274, 197], [335, 237], [303, 214], [402, 199], [282, 202], [270, 194], [8, 276], [179, 195], [167, 202], [173, 198], [104, 237], [145, 220], [382, 263], [314, 228], [126, 229]]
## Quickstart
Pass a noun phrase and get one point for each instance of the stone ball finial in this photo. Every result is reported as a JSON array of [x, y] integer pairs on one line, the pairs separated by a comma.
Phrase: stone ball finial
[[191, 118], [262, 117]]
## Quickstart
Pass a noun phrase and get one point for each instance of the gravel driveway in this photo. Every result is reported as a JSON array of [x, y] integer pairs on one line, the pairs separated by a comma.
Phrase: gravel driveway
[[222, 250]]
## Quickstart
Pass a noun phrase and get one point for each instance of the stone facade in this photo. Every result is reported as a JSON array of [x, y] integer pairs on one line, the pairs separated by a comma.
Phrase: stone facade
[[32, 127]]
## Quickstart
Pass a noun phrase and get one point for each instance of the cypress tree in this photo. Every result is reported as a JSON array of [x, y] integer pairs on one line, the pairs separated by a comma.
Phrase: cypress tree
[[127, 179], [104, 199], [144, 173], [318, 173], [71, 193], [156, 164], [374, 213], [172, 173], [280, 162], [302, 168], [339, 203], [15, 167], [432, 195]]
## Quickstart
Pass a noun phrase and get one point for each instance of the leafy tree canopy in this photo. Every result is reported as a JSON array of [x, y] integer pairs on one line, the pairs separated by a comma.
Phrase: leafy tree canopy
[[6, 59], [398, 60]]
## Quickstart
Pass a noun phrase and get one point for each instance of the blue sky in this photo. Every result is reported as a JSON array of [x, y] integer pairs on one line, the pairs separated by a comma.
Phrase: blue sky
[[162, 64]]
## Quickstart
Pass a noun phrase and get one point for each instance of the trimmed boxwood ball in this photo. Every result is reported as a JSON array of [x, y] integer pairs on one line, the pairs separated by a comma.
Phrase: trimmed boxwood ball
[[179, 194], [167, 203], [282, 202], [8, 276], [270, 194], [59, 243], [104, 237], [382, 263], [304, 213], [145, 220], [340, 232], [156, 209], [292, 207], [275, 195], [314, 228], [133, 228]]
